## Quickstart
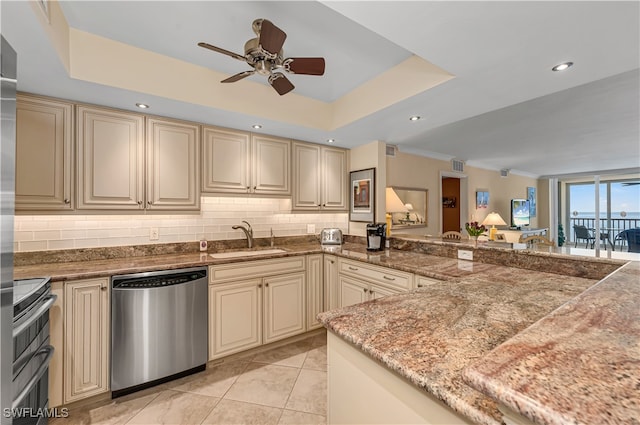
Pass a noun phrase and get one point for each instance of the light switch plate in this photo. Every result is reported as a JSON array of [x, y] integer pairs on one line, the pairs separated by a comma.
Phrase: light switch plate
[[465, 255], [154, 235], [311, 228]]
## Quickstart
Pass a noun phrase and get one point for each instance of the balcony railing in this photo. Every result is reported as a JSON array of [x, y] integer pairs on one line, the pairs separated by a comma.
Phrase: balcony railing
[[614, 226]]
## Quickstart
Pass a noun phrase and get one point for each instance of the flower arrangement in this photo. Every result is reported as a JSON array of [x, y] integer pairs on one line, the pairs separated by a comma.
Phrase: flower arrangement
[[474, 228]]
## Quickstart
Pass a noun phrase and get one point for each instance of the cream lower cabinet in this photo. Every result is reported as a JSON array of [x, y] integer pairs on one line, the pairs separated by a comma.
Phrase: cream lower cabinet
[[255, 302], [86, 339], [359, 282], [315, 290], [330, 275], [44, 154]]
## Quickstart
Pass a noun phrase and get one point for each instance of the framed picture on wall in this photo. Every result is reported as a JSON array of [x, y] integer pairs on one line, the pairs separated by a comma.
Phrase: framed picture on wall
[[482, 199], [362, 198], [531, 197]]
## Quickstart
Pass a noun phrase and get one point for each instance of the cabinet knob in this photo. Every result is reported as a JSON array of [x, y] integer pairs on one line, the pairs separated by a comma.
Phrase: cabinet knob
[[255, 187], [103, 288], [332, 262], [266, 284], [248, 188], [67, 201], [259, 285], [324, 205], [139, 202], [364, 289], [420, 285], [149, 202]]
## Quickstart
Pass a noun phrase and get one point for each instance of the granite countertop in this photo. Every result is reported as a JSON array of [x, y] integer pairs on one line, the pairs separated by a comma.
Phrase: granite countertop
[[431, 334], [433, 266], [578, 365]]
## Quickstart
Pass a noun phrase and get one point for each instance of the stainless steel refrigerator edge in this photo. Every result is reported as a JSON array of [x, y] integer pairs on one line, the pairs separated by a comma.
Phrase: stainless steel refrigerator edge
[[8, 74]]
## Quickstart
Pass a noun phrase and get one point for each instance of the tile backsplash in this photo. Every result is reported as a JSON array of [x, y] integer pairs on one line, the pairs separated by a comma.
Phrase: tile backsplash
[[213, 222]]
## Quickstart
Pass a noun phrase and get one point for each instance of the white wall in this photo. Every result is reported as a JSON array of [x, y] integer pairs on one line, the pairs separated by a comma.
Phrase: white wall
[[218, 214]]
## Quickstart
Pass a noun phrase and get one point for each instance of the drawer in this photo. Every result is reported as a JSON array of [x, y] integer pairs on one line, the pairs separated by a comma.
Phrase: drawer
[[376, 274], [422, 281], [221, 273]]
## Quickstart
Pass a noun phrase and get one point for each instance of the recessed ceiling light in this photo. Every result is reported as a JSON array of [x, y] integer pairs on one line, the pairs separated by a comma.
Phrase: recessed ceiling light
[[562, 66], [256, 126], [331, 140], [142, 105], [414, 118]]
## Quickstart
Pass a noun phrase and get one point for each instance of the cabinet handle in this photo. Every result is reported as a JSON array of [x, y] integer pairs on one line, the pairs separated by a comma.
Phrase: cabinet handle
[[389, 278], [420, 285], [353, 268], [259, 285], [67, 201]]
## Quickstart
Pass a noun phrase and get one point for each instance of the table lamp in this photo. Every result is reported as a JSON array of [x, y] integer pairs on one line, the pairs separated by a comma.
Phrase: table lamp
[[493, 219], [409, 207], [393, 205]]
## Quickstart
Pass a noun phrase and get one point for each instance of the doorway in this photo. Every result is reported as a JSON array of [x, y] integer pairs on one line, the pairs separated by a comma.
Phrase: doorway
[[453, 201]]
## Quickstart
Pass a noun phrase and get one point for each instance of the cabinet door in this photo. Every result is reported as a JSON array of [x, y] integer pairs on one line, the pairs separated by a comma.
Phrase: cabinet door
[[110, 169], [331, 290], [284, 305], [315, 290], [270, 165], [334, 179], [86, 353], [43, 154], [376, 291], [235, 317], [173, 152], [352, 291], [226, 161], [306, 176]]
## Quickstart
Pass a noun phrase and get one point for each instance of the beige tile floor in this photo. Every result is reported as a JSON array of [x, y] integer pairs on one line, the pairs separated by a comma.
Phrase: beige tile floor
[[283, 385]]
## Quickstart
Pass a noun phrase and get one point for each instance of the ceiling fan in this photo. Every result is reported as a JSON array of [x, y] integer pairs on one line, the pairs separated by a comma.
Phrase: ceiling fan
[[265, 55]]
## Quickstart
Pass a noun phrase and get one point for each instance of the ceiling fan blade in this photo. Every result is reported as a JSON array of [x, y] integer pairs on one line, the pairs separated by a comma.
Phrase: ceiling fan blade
[[239, 76], [280, 83], [223, 51], [271, 37], [307, 66]]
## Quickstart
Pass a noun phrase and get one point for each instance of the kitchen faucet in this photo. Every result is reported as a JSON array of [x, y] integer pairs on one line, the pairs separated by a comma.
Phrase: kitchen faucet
[[248, 231]]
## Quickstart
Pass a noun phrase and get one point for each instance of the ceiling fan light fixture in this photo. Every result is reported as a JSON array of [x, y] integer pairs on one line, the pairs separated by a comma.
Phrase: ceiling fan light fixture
[[415, 118], [142, 105], [562, 66]]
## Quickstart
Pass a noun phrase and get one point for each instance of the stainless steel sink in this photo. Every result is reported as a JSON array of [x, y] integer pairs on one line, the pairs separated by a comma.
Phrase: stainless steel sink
[[237, 254]]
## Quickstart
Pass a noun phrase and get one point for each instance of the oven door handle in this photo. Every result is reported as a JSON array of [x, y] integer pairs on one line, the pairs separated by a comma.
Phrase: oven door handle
[[48, 350], [28, 321]]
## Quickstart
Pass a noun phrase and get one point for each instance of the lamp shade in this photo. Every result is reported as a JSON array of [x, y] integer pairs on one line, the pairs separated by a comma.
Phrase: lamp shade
[[494, 219], [393, 202]]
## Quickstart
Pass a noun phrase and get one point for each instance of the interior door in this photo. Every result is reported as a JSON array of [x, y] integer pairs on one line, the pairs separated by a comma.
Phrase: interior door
[[451, 204]]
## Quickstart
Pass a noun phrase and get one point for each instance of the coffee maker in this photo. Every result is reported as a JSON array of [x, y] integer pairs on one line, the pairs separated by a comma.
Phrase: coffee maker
[[376, 236]]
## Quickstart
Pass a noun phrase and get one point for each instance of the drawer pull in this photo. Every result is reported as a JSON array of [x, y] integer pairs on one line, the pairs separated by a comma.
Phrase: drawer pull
[[420, 285], [353, 268], [260, 285], [389, 278], [364, 289]]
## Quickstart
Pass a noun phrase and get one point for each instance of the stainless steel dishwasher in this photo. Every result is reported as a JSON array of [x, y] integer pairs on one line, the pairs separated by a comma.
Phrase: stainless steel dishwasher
[[158, 327]]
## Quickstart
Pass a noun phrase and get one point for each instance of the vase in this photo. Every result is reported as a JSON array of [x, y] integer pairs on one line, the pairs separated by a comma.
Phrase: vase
[[475, 241]]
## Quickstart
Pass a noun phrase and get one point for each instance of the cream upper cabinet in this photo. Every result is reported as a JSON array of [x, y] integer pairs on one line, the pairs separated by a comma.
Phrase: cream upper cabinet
[[239, 162], [315, 290], [110, 158], [320, 177], [173, 165], [86, 344], [44, 154], [226, 160]]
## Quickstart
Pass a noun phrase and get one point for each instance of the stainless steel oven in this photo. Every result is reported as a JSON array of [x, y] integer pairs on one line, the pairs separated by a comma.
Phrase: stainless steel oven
[[32, 352]]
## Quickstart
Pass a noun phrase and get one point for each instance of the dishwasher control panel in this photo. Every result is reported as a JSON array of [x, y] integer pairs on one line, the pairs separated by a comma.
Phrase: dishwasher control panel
[[157, 280]]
